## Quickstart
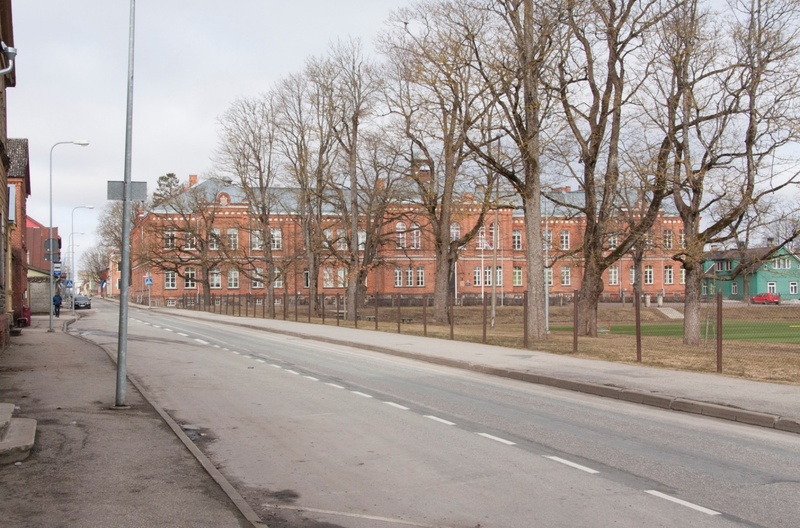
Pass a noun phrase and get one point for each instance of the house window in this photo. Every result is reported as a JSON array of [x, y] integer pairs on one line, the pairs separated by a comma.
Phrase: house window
[[476, 276], [683, 276], [704, 289], [233, 238], [255, 240], [362, 240], [734, 288], [564, 240], [277, 238], [487, 276], [171, 302], [420, 276], [719, 265], [667, 239], [189, 279], [169, 239], [516, 240], [548, 239], [278, 282], [548, 276], [258, 278], [169, 280], [499, 275], [648, 275], [613, 276], [772, 287], [793, 288], [728, 265], [492, 236], [612, 241], [189, 241], [565, 275], [341, 278], [415, 242], [400, 234], [481, 242], [215, 278], [341, 240], [782, 263], [455, 231], [213, 239], [409, 276], [306, 279], [398, 277], [668, 275], [633, 275], [682, 238], [516, 276], [233, 278], [327, 277], [648, 240]]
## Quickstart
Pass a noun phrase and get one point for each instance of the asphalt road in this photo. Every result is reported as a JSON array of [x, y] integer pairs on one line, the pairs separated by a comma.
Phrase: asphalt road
[[346, 437]]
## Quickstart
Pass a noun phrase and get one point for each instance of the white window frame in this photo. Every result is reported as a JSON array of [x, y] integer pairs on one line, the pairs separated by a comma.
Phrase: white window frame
[[213, 238], [669, 274], [516, 276], [327, 277], [341, 240], [563, 239], [409, 276], [477, 276], [420, 276], [793, 288], [400, 234], [170, 281], [169, 239], [455, 231], [772, 287], [398, 277], [734, 288], [232, 237], [233, 279], [257, 281], [516, 240], [566, 275], [415, 240], [190, 278], [277, 238], [487, 276], [189, 241], [667, 239], [256, 244], [548, 276], [613, 276], [649, 275], [215, 278]]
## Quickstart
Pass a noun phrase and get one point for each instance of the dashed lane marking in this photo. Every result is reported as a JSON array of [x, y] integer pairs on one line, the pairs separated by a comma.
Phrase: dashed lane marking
[[682, 502], [335, 386], [572, 464], [361, 394], [312, 378], [437, 419], [182, 334], [397, 406], [292, 372], [497, 439], [202, 342]]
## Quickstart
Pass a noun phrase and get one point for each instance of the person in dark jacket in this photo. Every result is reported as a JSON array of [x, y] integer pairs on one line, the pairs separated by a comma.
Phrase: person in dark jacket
[[57, 304]]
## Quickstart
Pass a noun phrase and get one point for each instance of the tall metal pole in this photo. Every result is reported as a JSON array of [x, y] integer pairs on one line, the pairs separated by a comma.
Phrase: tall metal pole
[[122, 344], [50, 240]]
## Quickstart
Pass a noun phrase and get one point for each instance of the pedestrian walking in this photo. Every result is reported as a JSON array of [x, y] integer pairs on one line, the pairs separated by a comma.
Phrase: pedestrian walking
[[57, 304]]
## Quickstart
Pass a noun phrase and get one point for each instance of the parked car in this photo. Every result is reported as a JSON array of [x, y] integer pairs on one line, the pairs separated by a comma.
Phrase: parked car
[[82, 301], [766, 298]]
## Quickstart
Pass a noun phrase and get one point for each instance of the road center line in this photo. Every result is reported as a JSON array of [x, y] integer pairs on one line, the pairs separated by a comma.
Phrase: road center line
[[397, 406], [312, 378], [182, 334], [496, 439], [440, 420], [292, 372], [235, 352], [276, 366], [168, 329], [260, 361], [202, 342], [572, 464], [335, 386], [362, 394], [682, 502], [347, 514]]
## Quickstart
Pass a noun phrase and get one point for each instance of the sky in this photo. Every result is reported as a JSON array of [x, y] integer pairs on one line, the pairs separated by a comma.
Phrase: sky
[[192, 59]]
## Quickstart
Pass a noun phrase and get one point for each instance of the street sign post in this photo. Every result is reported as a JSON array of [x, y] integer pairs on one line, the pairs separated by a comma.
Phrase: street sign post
[[56, 269]]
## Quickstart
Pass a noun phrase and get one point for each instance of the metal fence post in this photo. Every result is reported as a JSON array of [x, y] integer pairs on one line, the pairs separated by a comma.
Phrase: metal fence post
[[719, 332], [575, 322]]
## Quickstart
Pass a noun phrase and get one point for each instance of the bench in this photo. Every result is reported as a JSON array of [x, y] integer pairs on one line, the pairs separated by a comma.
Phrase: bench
[[406, 319]]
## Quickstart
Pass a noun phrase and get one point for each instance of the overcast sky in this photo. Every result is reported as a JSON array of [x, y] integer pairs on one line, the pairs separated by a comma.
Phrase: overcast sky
[[192, 59]]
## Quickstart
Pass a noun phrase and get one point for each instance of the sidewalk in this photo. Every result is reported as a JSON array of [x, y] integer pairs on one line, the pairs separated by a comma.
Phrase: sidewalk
[[756, 403], [92, 466]]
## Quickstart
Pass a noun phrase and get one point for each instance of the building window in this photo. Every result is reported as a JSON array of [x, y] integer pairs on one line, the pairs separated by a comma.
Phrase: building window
[[499, 275], [564, 240], [169, 239], [277, 238], [728, 265], [683, 276], [492, 236], [516, 276], [633, 275], [258, 278], [613, 240], [233, 278], [476, 276], [169, 280], [455, 231], [772, 287], [565, 275], [548, 276], [719, 265], [648, 275], [341, 240], [782, 263], [409, 276], [648, 240], [398, 277], [704, 289], [666, 237], [233, 238], [487, 276], [613, 276], [420, 277], [215, 278], [400, 234], [548, 239], [682, 239], [668, 275], [516, 240], [793, 288], [416, 241], [189, 279], [189, 241], [341, 277], [481, 241], [327, 277], [278, 282], [734, 288], [306, 279], [171, 302], [362, 240], [256, 241], [213, 239]]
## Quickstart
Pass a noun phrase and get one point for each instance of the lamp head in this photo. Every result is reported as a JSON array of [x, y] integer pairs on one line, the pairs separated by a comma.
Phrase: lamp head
[[81, 142]]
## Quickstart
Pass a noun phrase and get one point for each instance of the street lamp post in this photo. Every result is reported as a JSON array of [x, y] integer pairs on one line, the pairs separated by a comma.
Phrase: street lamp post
[[72, 270], [50, 242]]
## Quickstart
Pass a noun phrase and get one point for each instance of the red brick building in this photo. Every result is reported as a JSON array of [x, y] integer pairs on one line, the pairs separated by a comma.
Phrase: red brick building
[[19, 185], [406, 254]]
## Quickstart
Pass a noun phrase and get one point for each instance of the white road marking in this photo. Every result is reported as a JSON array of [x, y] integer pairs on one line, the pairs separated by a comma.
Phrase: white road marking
[[346, 514], [260, 361], [496, 439], [292, 372], [182, 334], [397, 406], [235, 352], [202, 342], [276, 366], [335, 386], [362, 394], [168, 329], [312, 378], [572, 464], [156, 326], [435, 418], [217, 346], [682, 502]]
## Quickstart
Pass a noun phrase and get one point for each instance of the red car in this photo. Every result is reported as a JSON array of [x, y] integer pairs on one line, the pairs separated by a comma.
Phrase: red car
[[766, 298]]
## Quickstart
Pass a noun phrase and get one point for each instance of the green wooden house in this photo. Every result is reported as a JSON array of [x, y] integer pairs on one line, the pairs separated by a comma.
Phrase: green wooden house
[[741, 273]]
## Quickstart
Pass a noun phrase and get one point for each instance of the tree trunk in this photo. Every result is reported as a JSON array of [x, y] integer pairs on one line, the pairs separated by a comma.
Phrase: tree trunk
[[589, 297], [691, 305], [537, 315], [441, 286]]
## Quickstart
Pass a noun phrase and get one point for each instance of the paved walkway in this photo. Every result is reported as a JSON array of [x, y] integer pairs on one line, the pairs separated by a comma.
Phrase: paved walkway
[[756, 403]]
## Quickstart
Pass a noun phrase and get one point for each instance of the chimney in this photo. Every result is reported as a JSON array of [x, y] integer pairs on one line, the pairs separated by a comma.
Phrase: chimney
[[192, 180]]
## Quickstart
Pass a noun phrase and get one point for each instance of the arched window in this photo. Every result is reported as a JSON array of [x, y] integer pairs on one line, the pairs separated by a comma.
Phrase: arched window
[[400, 233], [416, 240]]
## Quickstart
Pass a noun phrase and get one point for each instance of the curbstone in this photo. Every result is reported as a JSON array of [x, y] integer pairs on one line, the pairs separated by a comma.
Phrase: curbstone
[[787, 424], [633, 396], [756, 418], [689, 406], [657, 400], [719, 411]]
